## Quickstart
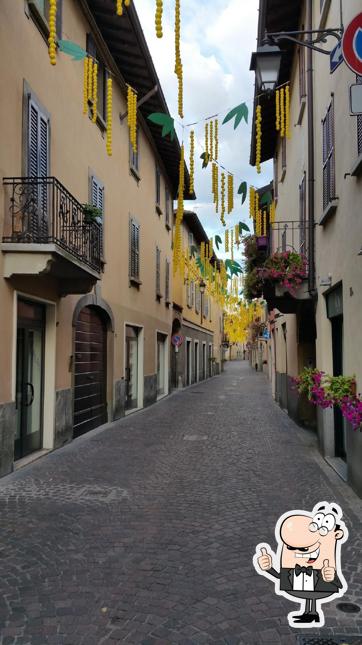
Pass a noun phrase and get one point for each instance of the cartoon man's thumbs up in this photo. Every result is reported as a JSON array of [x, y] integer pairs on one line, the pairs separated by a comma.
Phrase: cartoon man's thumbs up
[[265, 560], [328, 572]]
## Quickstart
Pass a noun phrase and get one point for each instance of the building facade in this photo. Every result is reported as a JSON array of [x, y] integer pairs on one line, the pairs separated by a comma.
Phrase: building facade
[[318, 193], [86, 303], [197, 317]]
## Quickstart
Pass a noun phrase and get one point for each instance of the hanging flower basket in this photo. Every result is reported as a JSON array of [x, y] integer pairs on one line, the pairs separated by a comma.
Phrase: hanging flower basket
[[262, 242], [287, 269]]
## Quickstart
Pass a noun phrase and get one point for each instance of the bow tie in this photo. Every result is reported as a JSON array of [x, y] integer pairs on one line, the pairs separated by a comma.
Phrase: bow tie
[[307, 570]]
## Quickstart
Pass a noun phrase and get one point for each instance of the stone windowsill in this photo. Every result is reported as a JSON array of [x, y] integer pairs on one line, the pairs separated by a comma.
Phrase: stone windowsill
[[356, 170], [329, 211], [135, 282]]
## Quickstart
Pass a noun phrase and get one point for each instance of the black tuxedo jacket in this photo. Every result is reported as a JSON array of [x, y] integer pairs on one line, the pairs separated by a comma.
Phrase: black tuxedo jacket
[[286, 581]]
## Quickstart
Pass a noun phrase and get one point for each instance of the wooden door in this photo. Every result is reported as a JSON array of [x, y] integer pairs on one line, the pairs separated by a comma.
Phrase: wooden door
[[90, 371]]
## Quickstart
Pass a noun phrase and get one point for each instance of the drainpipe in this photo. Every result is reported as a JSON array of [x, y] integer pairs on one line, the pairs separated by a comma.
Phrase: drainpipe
[[311, 177]]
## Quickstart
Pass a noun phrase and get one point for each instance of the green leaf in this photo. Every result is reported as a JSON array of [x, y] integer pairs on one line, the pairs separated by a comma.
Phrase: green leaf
[[243, 227], [200, 265], [218, 241], [167, 122], [193, 250], [266, 199], [206, 158], [243, 189], [72, 49], [239, 112]]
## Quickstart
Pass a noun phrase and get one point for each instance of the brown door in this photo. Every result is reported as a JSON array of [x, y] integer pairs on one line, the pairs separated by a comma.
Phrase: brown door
[[90, 402]]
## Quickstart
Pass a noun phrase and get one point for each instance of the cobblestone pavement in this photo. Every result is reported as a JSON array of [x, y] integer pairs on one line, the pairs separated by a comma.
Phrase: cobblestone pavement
[[144, 532]]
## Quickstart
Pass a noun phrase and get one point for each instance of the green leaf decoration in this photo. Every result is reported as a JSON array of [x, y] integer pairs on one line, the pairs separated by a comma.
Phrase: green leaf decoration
[[193, 250], [243, 227], [206, 158], [239, 112], [233, 266], [266, 199], [72, 49], [201, 266], [218, 241], [243, 189], [167, 122]]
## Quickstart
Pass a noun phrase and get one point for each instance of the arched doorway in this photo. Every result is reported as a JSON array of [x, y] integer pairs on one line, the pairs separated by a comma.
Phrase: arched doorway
[[90, 369]]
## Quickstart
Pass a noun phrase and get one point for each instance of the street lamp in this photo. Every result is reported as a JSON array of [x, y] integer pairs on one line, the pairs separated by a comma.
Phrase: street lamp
[[202, 287], [265, 62]]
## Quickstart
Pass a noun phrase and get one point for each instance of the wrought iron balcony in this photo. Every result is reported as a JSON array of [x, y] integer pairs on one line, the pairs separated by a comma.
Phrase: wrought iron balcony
[[289, 236], [43, 212]]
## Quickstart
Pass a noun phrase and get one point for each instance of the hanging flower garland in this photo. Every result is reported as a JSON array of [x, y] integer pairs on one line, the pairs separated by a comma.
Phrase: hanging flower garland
[[207, 152], [222, 214], [272, 212], [178, 63], [109, 116], [215, 185], [132, 116], [230, 193], [90, 79], [192, 161], [85, 85], [282, 113], [211, 146], [177, 252], [287, 112], [258, 138], [52, 32], [158, 18], [227, 241], [252, 202], [232, 243], [237, 235], [216, 141], [277, 110], [95, 92], [119, 6]]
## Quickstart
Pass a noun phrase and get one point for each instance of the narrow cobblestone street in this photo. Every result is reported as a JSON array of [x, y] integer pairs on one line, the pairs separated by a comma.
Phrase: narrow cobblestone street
[[144, 532]]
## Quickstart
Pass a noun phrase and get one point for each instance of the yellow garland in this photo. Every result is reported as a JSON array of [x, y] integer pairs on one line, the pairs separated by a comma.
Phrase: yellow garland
[[287, 112], [132, 116], [237, 234], [90, 79], [85, 86], [282, 113], [256, 207], [227, 241], [211, 145], [158, 18], [222, 214], [177, 251], [272, 212], [216, 133], [215, 185], [202, 252], [192, 161], [52, 49], [207, 140], [277, 110], [95, 93], [230, 193], [232, 243], [178, 63], [109, 117], [258, 139], [119, 9], [252, 202]]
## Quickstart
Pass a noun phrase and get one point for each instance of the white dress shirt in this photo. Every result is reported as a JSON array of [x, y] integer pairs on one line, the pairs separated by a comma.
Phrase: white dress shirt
[[303, 582]]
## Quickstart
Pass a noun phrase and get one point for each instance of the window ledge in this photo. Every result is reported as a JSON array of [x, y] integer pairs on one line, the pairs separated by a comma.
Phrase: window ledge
[[135, 173], [38, 19], [356, 170], [284, 172], [159, 297], [135, 282], [303, 103], [158, 209], [329, 211]]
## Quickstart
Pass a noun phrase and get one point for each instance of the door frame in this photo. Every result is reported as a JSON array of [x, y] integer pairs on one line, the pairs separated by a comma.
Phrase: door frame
[[188, 364], [197, 361], [204, 360], [140, 365], [166, 361], [48, 402]]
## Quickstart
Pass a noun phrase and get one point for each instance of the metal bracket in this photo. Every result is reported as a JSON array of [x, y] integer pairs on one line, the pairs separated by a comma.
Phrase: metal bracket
[[143, 100], [321, 37]]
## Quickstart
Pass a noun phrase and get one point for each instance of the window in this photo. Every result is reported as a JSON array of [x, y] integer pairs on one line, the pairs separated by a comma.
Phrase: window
[[359, 124], [167, 283], [158, 190], [302, 217], [329, 180], [302, 85], [37, 162], [190, 291], [39, 10], [134, 251], [97, 200], [167, 207], [102, 79], [158, 273], [206, 306], [134, 156], [197, 299]]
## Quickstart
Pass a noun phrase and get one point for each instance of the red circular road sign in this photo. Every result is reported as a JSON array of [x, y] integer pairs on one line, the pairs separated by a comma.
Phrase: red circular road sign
[[177, 340], [352, 45]]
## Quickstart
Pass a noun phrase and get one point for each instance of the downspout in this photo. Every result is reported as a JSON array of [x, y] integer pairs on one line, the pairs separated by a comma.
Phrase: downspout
[[311, 169]]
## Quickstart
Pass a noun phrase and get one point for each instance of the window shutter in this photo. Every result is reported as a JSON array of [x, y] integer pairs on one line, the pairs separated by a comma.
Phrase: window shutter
[[192, 294], [167, 282], [167, 207], [197, 299], [158, 271], [97, 200], [33, 134], [134, 242]]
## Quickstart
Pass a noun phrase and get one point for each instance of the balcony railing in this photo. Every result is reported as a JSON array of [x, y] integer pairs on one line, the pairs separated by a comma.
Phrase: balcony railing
[[43, 211], [289, 236]]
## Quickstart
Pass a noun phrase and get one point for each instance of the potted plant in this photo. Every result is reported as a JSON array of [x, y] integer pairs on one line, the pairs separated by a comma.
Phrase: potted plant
[[287, 269], [91, 214], [262, 242]]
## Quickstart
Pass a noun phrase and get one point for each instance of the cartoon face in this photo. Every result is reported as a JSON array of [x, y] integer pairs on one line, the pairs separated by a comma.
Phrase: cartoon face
[[310, 540]]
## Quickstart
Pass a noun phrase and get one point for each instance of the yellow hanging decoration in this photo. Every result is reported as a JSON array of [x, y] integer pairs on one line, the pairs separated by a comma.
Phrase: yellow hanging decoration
[[272, 212], [232, 243], [222, 214], [211, 249], [192, 161], [237, 234], [258, 224], [202, 252], [215, 185], [230, 193], [211, 145], [95, 92], [216, 142], [158, 18], [109, 117], [178, 63], [52, 49], [90, 79], [85, 86], [132, 116], [258, 138], [207, 140], [277, 110], [177, 252], [119, 9], [287, 112], [252, 202], [282, 113], [227, 241], [256, 207]]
